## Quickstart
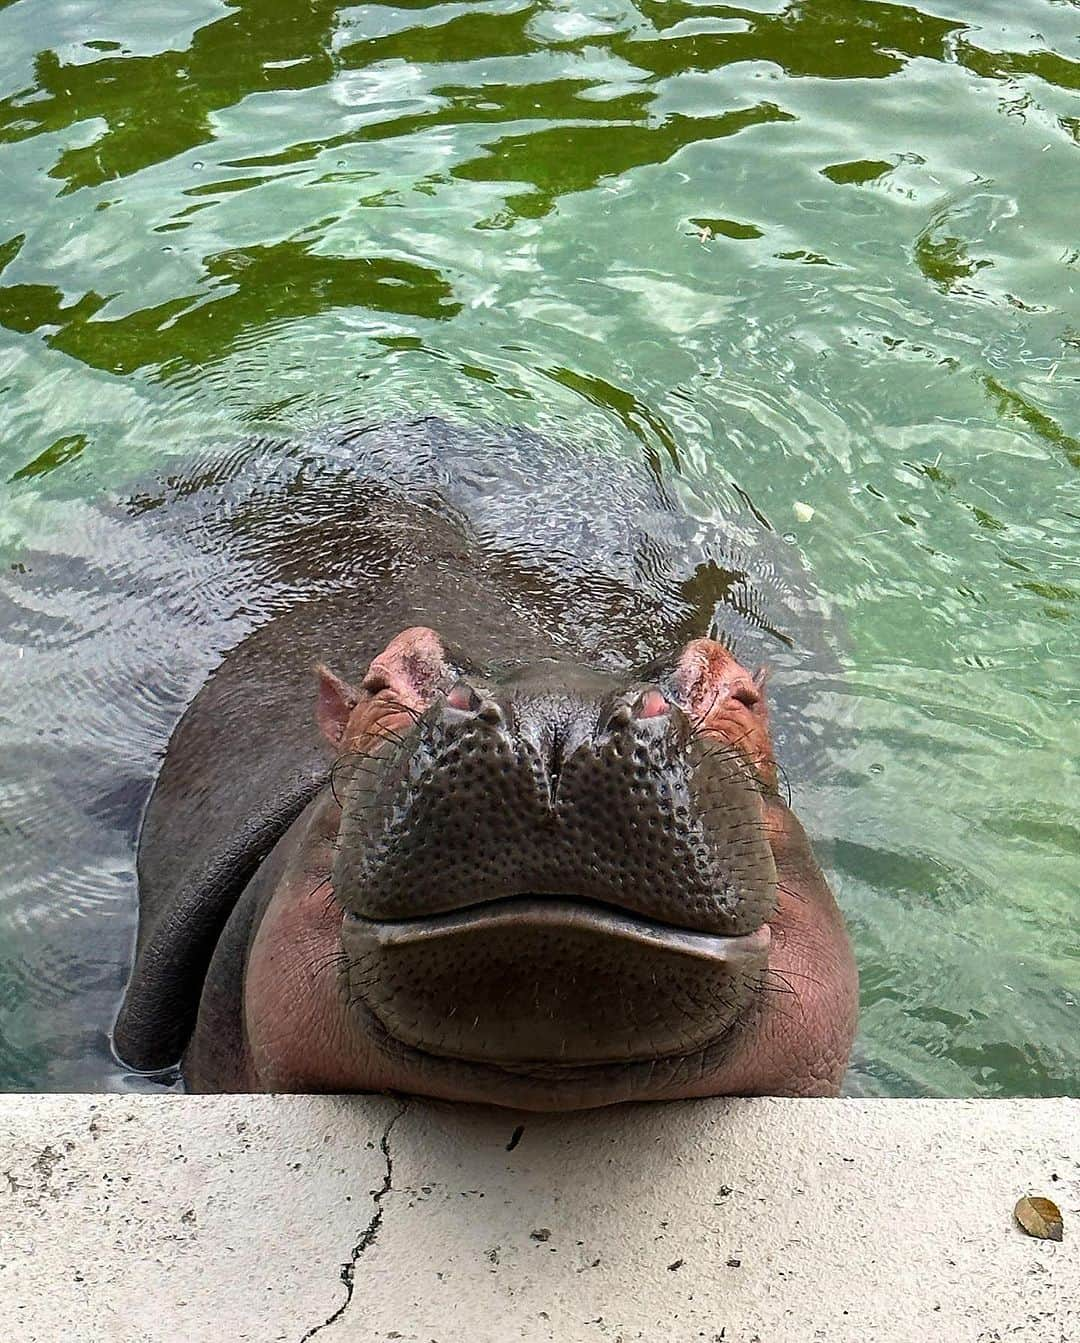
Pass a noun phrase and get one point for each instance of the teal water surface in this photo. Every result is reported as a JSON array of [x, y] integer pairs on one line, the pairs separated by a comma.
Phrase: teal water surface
[[821, 258]]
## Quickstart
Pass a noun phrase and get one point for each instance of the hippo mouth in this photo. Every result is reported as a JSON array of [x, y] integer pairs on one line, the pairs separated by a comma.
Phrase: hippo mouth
[[539, 878], [537, 980], [530, 910]]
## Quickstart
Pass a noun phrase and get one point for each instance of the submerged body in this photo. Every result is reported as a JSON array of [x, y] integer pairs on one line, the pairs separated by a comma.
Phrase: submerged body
[[489, 810]]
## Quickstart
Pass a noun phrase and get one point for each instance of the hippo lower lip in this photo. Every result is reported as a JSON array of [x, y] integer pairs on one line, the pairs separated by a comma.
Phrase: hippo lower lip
[[554, 912], [550, 980]]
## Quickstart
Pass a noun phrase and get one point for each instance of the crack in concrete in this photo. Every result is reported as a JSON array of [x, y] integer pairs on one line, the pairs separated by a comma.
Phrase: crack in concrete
[[370, 1232]]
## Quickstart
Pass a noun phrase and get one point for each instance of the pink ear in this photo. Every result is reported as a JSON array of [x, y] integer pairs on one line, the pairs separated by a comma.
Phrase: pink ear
[[413, 668], [410, 671], [726, 701], [336, 702], [708, 674]]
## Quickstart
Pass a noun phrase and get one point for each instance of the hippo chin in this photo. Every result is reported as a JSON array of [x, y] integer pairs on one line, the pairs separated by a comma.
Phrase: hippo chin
[[519, 869]]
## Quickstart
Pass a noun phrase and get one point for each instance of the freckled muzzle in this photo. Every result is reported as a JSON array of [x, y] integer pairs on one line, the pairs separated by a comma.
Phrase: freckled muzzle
[[534, 877]]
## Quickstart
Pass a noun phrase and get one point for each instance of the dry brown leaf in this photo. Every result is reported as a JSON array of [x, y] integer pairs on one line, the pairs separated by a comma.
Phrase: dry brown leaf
[[1039, 1217]]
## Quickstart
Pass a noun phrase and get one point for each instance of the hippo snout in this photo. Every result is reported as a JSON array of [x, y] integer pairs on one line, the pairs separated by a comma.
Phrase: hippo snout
[[553, 868], [548, 795]]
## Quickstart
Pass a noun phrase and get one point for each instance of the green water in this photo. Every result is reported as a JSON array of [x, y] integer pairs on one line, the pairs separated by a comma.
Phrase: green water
[[825, 256]]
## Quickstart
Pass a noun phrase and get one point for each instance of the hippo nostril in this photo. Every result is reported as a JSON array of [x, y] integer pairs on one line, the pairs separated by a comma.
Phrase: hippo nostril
[[650, 704], [464, 698], [620, 718]]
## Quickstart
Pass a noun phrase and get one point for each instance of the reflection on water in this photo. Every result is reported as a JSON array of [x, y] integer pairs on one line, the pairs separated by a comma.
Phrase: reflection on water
[[812, 262]]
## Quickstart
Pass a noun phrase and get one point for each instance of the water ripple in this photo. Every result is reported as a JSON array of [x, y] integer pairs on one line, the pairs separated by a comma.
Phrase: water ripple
[[812, 262]]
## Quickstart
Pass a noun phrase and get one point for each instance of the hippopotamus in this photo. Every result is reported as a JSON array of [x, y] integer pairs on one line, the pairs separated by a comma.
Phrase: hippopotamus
[[488, 807]]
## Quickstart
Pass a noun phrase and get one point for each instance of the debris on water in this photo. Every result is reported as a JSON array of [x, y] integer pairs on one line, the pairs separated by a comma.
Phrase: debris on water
[[1040, 1217], [803, 512]]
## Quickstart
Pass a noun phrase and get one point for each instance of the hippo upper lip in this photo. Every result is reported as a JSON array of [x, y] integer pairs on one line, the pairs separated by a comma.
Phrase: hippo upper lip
[[534, 908]]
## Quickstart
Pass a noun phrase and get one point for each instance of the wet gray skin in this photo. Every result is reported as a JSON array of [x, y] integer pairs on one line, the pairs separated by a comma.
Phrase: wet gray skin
[[533, 877]]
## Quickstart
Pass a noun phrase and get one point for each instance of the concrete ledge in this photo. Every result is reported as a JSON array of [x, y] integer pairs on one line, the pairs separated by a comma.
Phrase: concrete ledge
[[291, 1218]]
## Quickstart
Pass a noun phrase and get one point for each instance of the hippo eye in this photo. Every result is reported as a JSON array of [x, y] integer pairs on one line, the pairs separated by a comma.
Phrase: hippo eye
[[745, 692]]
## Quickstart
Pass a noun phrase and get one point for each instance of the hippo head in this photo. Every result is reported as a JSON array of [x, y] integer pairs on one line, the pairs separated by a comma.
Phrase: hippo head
[[544, 868]]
